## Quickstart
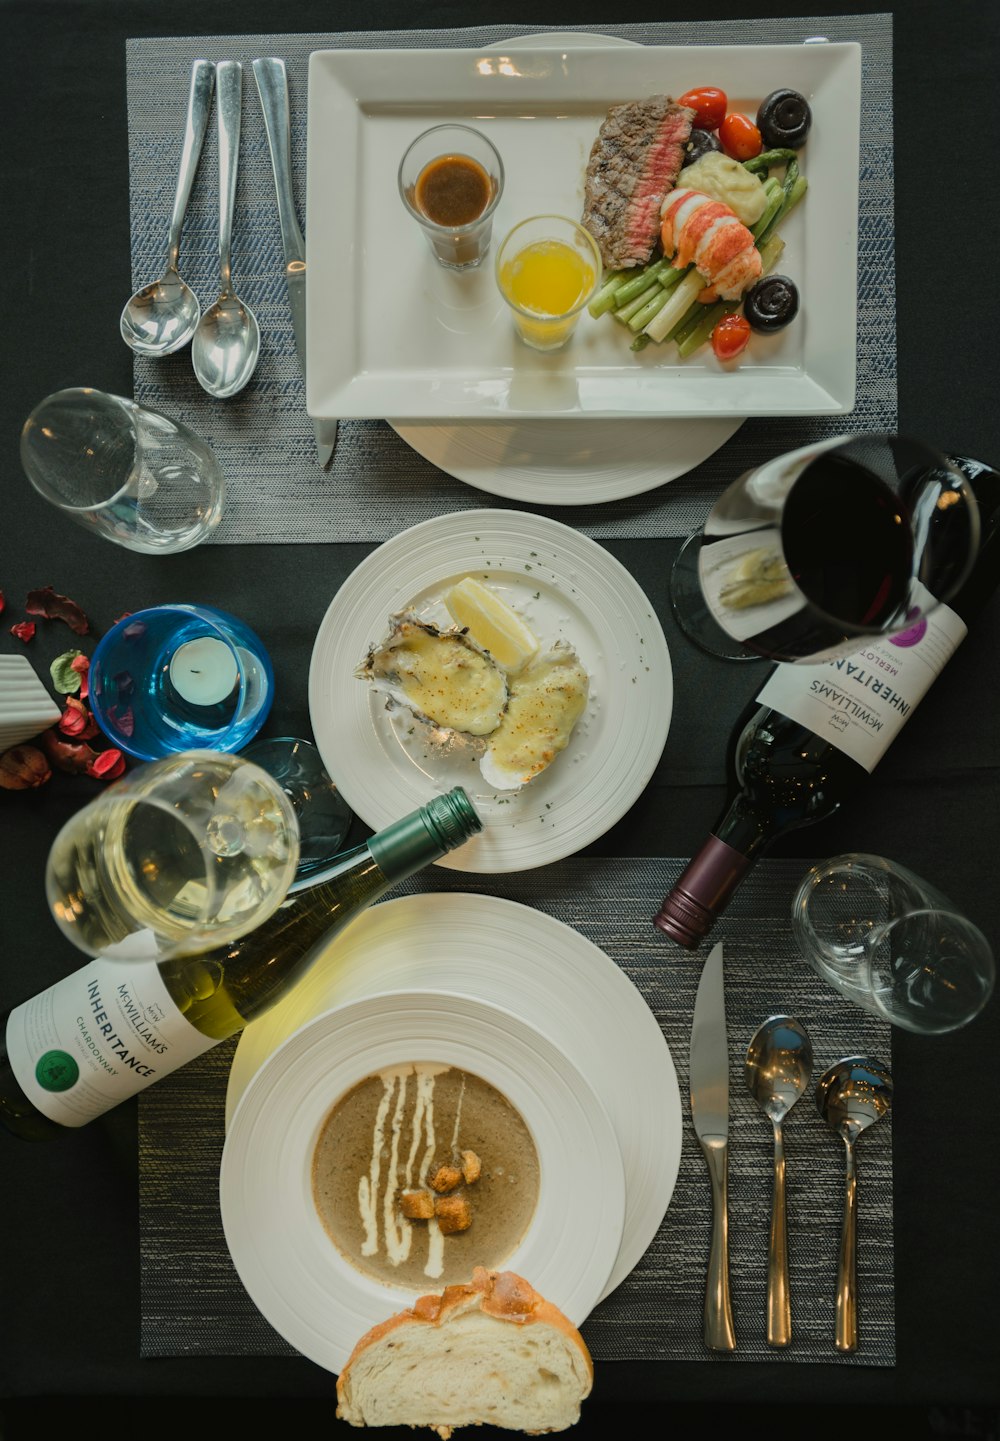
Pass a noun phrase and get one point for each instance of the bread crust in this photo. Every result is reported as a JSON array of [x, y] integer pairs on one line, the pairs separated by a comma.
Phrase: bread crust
[[501, 1294]]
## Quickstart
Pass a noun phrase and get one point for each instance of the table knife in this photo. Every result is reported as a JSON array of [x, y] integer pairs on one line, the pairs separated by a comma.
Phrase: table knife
[[710, 1112], [272, 87]]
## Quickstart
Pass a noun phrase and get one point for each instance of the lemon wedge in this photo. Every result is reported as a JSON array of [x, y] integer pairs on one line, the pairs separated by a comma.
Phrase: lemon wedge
[[492, 623]]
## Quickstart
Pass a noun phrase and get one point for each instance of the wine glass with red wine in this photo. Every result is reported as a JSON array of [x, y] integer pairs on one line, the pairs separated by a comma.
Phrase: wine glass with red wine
[[813, 553]]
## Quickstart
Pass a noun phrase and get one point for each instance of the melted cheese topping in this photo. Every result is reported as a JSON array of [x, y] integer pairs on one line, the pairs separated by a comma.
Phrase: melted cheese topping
[[447, 680], [546, 701]]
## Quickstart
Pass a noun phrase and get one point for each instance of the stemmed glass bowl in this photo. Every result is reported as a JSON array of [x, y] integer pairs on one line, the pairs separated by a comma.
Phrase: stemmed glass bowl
[[807, 557]]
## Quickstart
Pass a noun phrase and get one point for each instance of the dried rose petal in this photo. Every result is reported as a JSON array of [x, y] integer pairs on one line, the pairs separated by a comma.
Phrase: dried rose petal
[[108, 766], [22, 768], [65, 755], [24, 630], [77, 721], [123, 616], [3, 602], [123, 720], [46, 602]]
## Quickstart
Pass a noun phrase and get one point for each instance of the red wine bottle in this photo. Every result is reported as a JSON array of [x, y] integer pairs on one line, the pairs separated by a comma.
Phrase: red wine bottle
[[815, 732]]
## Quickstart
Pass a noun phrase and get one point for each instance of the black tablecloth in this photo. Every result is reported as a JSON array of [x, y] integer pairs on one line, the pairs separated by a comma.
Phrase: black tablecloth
[[69, 1345]]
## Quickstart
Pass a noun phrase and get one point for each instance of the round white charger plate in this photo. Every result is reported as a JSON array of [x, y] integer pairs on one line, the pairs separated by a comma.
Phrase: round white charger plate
[[567, 462], [566, 586], [525, 960], [290, 1267]]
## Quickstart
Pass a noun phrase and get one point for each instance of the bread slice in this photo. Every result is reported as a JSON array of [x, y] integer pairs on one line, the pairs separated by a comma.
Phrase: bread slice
[[491, 1353]]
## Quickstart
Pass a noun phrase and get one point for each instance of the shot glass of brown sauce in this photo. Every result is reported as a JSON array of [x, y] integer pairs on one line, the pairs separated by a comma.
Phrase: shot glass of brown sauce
[[451, 180]]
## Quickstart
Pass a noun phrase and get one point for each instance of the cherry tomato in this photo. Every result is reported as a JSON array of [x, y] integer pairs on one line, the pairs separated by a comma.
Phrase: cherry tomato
[[731, 336], [709, 106], [740, 137]]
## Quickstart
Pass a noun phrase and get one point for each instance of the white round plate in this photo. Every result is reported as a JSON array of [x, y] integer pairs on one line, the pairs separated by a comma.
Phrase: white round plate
[[567, 462], [510, 955], [565, 586], [555, 462], [291, 1269]]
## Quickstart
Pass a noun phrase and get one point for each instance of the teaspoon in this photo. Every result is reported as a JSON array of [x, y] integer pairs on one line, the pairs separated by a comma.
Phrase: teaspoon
[[227, 341], [163, 316], [777, 1069], [851, 1096]]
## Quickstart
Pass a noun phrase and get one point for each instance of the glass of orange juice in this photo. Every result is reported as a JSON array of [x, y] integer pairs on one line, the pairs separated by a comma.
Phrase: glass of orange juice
[[548, 269]]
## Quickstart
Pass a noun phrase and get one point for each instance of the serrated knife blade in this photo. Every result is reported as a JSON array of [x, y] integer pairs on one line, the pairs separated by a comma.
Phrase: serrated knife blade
[[272, 87], [709, 1068]]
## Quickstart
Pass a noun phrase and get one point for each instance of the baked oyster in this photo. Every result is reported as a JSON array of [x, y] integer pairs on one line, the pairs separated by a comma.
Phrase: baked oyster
[[546, 701], [442, 676]]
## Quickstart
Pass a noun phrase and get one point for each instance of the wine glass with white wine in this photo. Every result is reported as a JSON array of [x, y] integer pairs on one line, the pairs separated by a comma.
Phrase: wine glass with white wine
[[807, 557], [185, 852]]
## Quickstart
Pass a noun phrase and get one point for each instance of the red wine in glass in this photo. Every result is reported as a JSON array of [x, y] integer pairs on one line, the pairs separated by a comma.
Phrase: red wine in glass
[[810, 555]]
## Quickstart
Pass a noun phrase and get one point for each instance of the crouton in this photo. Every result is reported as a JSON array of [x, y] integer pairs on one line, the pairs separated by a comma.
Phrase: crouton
[[417, 1205], [453, 1214], [445, 1178], [472, 1167]]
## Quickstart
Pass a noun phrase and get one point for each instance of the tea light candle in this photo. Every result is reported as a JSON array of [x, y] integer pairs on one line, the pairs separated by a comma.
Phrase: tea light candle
[[204, 671]]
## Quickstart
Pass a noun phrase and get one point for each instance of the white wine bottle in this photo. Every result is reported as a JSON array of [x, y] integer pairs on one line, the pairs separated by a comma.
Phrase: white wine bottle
[[113, 1027]]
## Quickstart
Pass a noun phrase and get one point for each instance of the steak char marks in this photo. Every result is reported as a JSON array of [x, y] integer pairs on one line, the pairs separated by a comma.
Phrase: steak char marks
[[634, 163]]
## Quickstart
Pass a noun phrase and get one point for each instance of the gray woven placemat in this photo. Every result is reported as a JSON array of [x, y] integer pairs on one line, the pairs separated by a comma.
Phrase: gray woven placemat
[[193, 1303], [377, 485]]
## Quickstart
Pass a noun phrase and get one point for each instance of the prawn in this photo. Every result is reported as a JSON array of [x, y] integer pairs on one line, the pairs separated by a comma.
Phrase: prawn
[[695, 228]]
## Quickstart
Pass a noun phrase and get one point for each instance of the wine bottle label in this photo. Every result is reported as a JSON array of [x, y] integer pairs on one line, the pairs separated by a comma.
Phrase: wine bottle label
[[96, 1038], [861, 702]]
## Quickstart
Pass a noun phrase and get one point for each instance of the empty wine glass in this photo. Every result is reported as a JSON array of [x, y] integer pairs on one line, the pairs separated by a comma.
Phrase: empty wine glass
[[892, 943], [323, 815], [813, 553], [183, 853], [129, 473]]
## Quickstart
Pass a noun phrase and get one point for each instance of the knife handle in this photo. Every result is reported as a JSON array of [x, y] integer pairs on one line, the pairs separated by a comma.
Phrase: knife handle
[[272, 87], [719, 1332]]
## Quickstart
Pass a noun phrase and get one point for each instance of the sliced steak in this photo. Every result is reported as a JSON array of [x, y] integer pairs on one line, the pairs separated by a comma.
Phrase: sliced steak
[[634, 163]]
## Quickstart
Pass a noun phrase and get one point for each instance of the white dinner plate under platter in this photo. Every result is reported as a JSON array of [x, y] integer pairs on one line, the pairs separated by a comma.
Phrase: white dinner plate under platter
[[566, 586], [555, 462], [525, 960]]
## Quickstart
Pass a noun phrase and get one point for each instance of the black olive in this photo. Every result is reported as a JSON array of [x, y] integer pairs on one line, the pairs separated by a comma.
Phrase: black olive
[[784, 118], [702, 142], [771, 304]]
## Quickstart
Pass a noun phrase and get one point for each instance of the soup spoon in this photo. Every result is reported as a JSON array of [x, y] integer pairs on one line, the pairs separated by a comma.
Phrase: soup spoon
[[163, 316], [226, 344], [777, 1069], [851, 1096]]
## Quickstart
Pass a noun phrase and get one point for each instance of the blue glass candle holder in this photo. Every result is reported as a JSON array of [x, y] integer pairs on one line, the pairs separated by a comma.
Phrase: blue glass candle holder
[[180, 677]]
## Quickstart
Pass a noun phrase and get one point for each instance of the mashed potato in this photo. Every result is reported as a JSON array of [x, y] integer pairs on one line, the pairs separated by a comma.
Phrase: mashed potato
[[726, 180]]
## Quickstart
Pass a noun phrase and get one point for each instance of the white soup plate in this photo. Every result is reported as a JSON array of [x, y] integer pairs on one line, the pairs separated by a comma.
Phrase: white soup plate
[[291, 1269]]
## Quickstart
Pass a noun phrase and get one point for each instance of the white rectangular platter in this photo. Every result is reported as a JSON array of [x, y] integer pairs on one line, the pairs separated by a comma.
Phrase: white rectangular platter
[[393, 334]]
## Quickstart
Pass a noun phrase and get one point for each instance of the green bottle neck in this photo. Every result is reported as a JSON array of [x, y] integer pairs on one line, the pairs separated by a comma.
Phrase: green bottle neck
[[424, 836], [407, 845]]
